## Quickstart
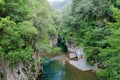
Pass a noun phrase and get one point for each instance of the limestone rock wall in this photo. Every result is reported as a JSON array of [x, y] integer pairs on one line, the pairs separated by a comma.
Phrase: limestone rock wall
[[74, 49], [53, 39], [27, 71]]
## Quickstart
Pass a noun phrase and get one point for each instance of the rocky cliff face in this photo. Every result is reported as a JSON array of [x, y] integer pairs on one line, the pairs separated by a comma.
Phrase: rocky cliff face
[[23, 71], [53, 40], [71, 46], [75, 49]]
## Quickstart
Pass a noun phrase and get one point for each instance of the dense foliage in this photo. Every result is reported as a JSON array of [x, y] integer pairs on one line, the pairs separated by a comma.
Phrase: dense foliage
[[95, 24], [25, 26], [14, 30]]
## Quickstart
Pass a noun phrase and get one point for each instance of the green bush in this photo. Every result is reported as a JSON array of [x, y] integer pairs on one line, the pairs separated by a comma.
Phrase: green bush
[[56, 50]]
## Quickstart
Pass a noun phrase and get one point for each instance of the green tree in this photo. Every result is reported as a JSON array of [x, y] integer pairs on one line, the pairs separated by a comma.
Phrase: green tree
[[95, 24], [12, 45], [110, 56]]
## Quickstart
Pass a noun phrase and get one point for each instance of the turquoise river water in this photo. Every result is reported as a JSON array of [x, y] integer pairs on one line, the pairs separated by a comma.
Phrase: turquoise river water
[[58, 70]]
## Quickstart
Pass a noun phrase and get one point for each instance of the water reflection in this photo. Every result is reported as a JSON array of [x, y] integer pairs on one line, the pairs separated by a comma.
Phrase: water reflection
[[56, 70]]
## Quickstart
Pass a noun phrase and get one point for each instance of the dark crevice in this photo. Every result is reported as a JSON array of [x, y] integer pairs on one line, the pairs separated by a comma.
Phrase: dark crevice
[[61, 43]]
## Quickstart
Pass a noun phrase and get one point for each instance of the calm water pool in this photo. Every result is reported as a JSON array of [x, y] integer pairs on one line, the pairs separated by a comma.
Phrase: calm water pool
[[58, 70]]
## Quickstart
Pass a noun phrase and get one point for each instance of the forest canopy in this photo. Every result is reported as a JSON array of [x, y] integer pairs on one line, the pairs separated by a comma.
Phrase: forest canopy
[[26, 26], [96, 24]]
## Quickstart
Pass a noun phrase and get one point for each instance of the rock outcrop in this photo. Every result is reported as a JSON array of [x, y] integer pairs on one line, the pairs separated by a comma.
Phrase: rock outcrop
[[74, 50], [71, 46], [23, 71], [53, 39]]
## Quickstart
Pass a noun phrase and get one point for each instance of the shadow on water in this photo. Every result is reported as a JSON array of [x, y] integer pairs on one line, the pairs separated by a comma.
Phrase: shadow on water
[[57, 70]]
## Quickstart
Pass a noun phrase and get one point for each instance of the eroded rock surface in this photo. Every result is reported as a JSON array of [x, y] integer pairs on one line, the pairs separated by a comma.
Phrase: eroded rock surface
[[27, 71]]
